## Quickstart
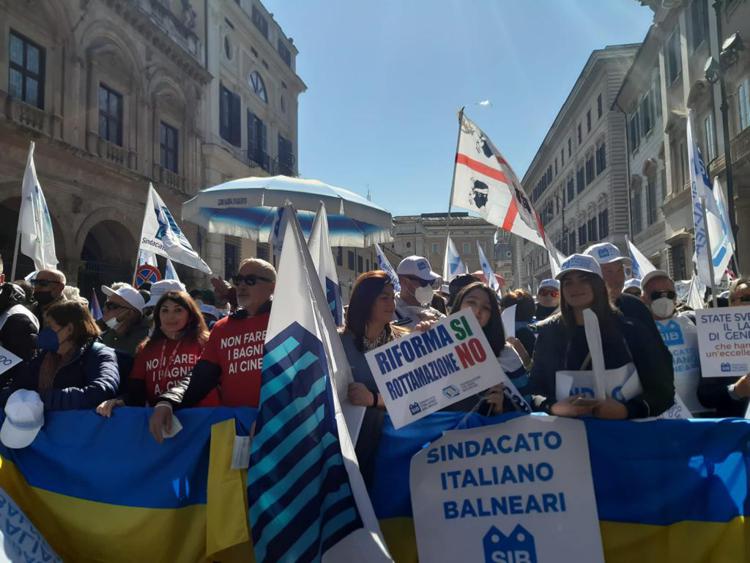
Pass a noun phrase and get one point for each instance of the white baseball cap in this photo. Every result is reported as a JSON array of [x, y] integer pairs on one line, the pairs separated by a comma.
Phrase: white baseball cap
[[633, 282], [159, 288], [606, 253], [549, 282], [24, 417], [652, 275], [127, 293], [579, 263], [416, 266]]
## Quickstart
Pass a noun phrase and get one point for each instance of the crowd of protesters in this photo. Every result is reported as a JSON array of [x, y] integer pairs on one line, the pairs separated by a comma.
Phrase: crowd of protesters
[[161, 346]]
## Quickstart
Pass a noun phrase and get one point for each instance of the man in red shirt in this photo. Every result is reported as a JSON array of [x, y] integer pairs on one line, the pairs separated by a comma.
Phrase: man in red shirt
[[232, 358]]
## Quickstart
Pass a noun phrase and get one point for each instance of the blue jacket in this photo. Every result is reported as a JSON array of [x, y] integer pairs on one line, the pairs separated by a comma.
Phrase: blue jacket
[[89, 378]]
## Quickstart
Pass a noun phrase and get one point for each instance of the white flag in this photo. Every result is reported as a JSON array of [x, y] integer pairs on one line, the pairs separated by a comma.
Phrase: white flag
[[147, 257], [726, 238], [302, 338], [320, 250], [169, 272], [34, 221], [641, 265], [719, 234], [485, 183], [452, 263], [162, 235], [487, 269], [695, 294], [385, 265]]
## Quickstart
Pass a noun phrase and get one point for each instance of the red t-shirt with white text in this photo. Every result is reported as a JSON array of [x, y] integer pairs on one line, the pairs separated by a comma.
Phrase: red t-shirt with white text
[[236, 345], [163, 363]]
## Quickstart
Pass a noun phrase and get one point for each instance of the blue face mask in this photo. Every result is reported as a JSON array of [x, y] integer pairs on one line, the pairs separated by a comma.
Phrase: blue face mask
[[47, 340]]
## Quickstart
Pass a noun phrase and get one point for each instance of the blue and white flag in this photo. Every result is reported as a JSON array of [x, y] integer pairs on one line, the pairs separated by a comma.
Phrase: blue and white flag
[[718, 233], [147, 257], [94, 307], [727, 237], [320, 250], [34, 221], [276, 236], [452, 263], [307, 499], [169, 272], [162, 235], [640, 264], [487, 269], [385, 265]]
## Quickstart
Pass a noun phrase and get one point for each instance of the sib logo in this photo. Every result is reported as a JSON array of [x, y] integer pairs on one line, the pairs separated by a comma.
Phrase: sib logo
[[414, 408], [451, 391], [518, 547], [726, 366]]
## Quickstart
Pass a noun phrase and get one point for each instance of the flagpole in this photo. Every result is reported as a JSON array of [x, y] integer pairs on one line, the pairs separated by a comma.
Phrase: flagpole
[[709, 253], [15, 252], [450, 198]]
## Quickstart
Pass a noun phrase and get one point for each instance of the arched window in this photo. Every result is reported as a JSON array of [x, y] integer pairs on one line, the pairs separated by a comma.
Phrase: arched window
[[258, 86]]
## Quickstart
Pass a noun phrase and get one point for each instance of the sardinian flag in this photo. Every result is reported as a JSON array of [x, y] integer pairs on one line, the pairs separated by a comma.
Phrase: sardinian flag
[[307, 498], [320, 250], [485, 183], [162, 235]]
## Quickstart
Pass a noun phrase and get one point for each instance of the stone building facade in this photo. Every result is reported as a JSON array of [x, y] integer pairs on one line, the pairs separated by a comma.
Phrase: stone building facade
[[118, 93], [577, 180], [667, 78]]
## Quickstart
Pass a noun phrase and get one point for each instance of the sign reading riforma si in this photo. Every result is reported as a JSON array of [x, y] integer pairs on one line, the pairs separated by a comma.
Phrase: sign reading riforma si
[[516, 492], [425, 371]]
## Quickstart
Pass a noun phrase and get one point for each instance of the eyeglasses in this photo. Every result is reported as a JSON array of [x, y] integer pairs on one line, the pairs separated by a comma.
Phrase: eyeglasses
[[43, 283], [112, 306], [251, 279], [420, 281], [659, 294], [548, 292]]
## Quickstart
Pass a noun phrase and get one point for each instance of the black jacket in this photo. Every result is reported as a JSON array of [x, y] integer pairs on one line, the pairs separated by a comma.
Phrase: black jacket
[[556, 350]]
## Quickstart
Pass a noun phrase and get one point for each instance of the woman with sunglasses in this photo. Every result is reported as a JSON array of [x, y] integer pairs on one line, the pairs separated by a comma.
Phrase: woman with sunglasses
[[367, 325], [728, 396], [72, 370], [547, 299], [179, 335], [562, 346]]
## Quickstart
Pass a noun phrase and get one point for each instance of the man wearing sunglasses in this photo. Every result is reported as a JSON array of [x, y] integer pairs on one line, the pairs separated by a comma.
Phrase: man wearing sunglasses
[[232, 358], [547, 299], [413, 301], [48, 287], [679, 334]]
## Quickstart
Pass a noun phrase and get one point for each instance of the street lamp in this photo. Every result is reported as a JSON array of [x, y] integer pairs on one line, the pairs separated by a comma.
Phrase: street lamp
[[714, 72]]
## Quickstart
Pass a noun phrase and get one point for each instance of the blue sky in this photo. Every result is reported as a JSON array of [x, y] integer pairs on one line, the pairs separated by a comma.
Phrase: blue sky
[[385, 81]]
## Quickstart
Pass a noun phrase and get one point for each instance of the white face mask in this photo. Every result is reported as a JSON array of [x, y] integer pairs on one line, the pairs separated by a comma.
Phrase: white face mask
[[423, 295], [112, 323], [662, 307]]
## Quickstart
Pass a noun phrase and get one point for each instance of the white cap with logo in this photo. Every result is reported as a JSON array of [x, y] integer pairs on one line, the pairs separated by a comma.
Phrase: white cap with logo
[[549, 283], [127, 293], [24, 417], [416, 266], [606, 253], [161, 287], [579, 263]]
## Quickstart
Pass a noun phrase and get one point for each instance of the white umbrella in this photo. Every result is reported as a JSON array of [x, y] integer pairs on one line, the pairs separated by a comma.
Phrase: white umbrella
[[246, 208]]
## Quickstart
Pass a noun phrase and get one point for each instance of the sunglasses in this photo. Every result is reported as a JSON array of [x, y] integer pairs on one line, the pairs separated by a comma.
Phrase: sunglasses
[[43, 283], [251, 279], [112, 306], [658, 294], [420, 281], [548, 292]]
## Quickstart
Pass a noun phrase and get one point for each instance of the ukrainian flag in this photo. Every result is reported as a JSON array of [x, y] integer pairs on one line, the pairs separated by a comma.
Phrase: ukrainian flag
[[666, 491], [103, 490]]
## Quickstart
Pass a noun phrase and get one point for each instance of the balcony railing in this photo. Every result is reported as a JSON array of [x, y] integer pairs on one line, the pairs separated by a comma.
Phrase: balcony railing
[[116, 154], [165, 177], [28, 116]]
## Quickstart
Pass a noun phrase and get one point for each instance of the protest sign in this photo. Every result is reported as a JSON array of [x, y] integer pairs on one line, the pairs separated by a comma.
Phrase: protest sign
[[7, 359], [21, 540], [681, 337], [724, 341], [425, 371], [520, 491]]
